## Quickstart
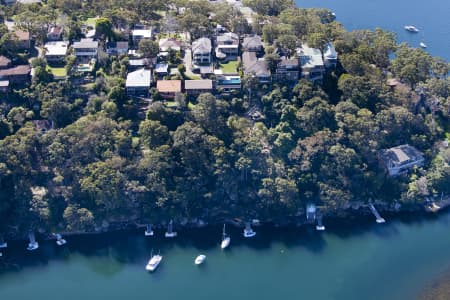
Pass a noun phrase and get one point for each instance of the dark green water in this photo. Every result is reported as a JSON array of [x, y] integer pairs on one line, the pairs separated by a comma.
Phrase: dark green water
[[357, 260]]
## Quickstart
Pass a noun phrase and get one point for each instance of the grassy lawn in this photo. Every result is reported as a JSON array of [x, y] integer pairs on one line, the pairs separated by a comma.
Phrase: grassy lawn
[[90, 22], [230, 67], [58, 72], [192, 77], [171, 104]]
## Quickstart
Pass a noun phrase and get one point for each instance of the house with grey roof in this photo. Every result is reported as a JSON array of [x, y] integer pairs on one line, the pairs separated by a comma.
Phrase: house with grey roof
[[227, 46], [138, 82], [288, 70], [201, 51], [86, 48], [311, 63], [196, 87], [256, 67], [252, 44], [399, 160], [117, 48]]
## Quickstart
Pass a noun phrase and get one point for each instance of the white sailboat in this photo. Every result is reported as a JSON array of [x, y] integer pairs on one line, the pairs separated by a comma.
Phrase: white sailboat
[[423, 45], [149, 230], [248, 231], [153, 263], [32, 245], [225, 239], [59, 240], [200, 259], [170, 233]]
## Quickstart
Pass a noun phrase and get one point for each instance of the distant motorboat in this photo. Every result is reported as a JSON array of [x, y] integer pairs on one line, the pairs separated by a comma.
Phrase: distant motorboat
[[200, 259], [225, 239], [59, 240], [411, 28], [153, 263], [248, 231], [149, 230], [170, 233], [423, 45]]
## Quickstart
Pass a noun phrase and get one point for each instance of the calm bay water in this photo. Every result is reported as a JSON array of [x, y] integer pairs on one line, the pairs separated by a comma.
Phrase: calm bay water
[[357, 260], [432, 17]]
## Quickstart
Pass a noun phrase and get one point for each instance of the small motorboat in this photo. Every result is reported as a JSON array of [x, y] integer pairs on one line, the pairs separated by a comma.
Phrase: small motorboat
[[423, 45], [32, 245], [225, 239], [200, 259], [320, 226], [153, 263], [149, 230], [170, 233], [248, 231], [59, 240], [411, 28]]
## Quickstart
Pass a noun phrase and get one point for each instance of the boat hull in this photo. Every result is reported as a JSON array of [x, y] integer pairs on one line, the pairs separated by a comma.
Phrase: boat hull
[[225, 243]]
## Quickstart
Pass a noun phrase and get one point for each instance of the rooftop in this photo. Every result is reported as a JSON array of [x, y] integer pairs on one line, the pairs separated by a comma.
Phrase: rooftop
[[205, 84], [252, 42], [310, 57], [400, 155], [4, 61], [329, 52], [202, 45], [22, 35], [4, 83], [228, 38], [117, 45], [17, 70], [162, 68], [169, 86], [85, 44], [56, 48], [139, 78], [144, 33], [170, 43], [254, 66]]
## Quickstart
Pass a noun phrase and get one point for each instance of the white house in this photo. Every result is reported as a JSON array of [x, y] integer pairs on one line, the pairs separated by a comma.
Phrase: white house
[[311, 62], [138, 82], [56, 51]]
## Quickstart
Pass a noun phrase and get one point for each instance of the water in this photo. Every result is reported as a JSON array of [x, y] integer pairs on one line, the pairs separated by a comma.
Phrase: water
[[432, 17], [357, 260]]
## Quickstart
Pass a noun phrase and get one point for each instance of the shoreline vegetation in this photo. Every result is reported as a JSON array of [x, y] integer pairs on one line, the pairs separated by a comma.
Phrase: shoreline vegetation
[[82, 153]]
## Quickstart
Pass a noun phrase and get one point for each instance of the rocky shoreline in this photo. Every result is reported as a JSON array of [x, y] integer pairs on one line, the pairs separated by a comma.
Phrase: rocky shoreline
[[357, 210]]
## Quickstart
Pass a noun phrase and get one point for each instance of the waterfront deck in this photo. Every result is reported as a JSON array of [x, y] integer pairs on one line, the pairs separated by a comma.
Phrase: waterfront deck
[[378, 217]]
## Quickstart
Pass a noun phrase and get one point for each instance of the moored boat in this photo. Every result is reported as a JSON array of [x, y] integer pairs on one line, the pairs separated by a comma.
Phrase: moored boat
[[59, 240], [423, 45], [248, 231], [170, 233], [225, 239], [153, 263], [149, 230], [411, 28], [32, 245], [200, 259]]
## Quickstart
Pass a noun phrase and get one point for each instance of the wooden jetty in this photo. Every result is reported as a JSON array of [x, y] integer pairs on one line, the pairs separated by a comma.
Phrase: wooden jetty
[[374, 211]]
